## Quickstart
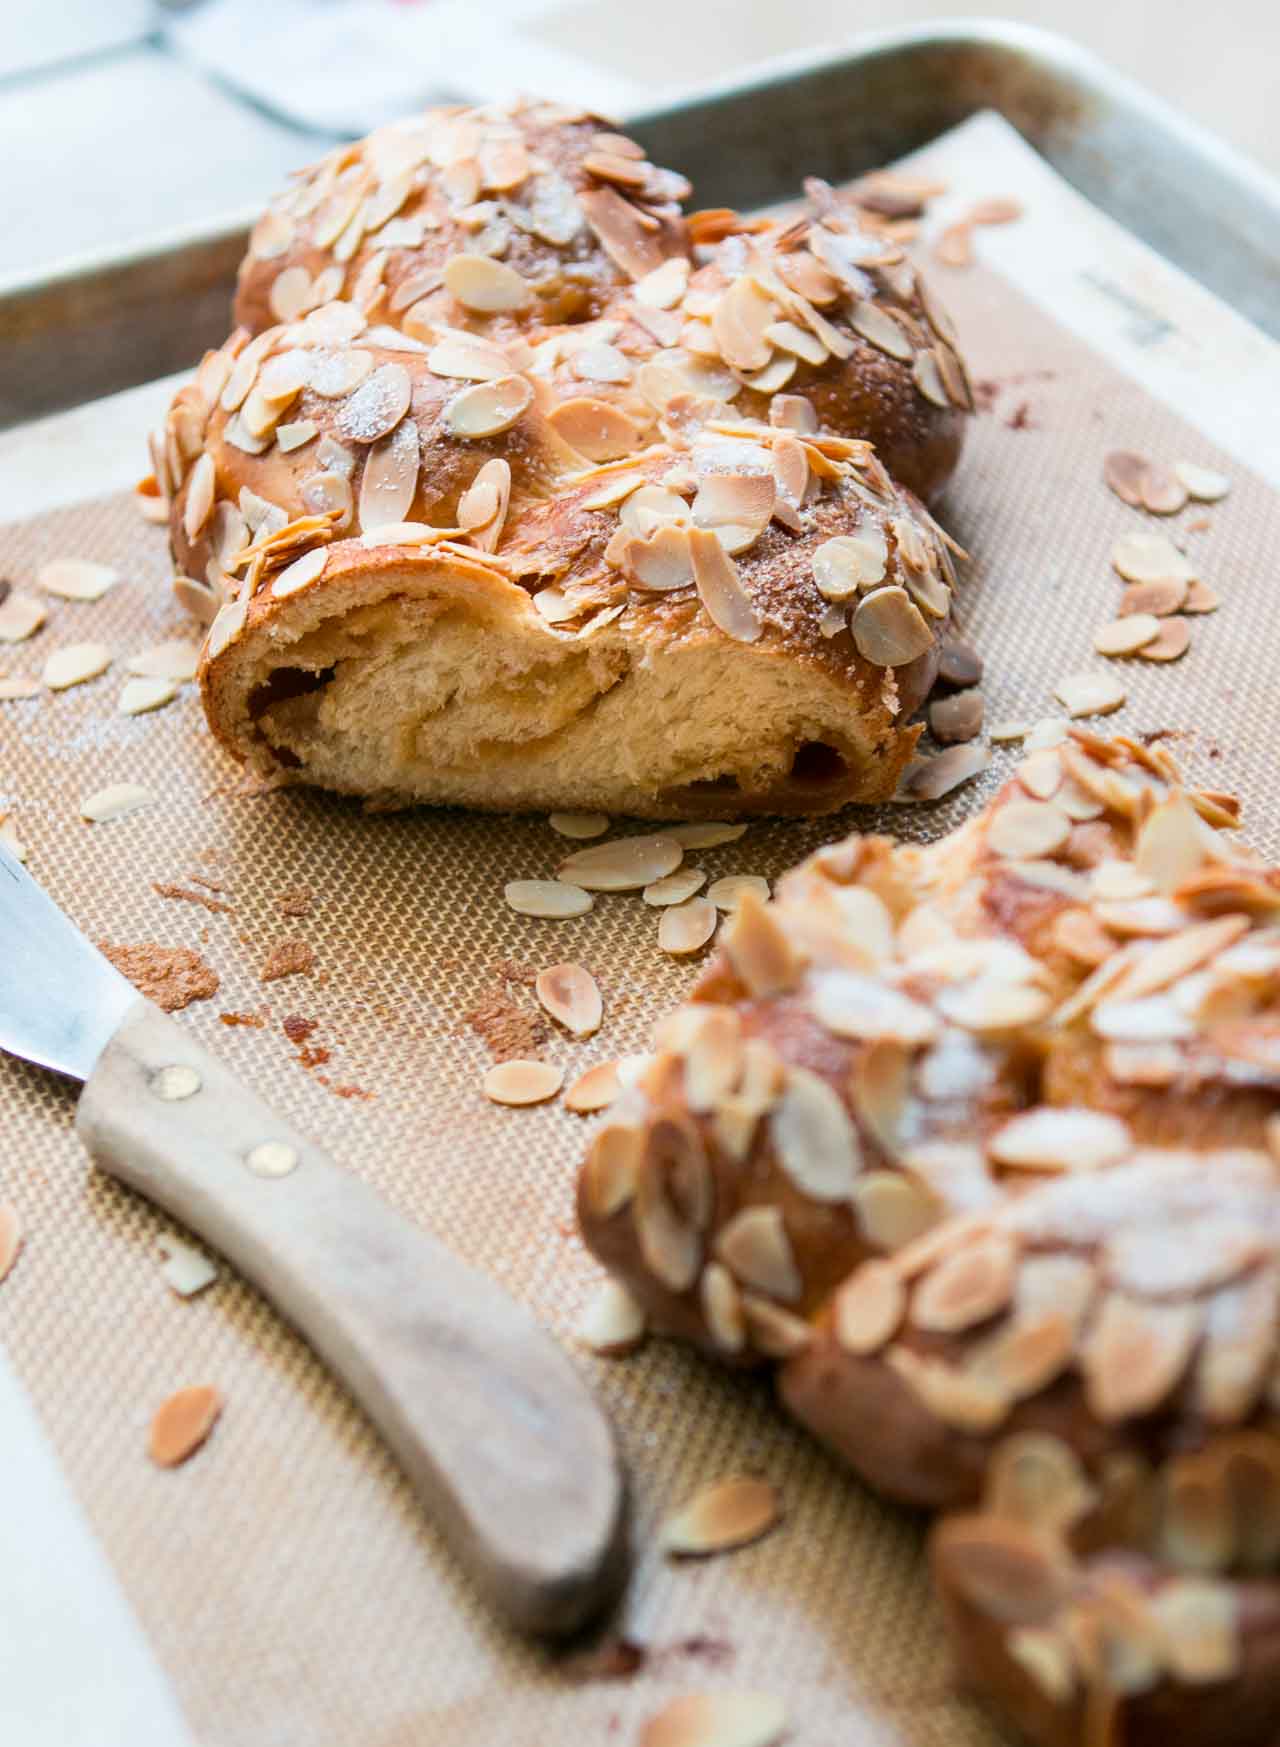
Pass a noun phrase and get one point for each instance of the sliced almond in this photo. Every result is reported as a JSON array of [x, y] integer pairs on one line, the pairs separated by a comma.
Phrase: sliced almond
[[115, 802], [1202, 483], [1150, 558], [74, 664], [594, 1090], [1200, 598], [1157, 599], [11, 1236], [487, 286], [869, 1308], [469, 358], [553, 900], [1171, 641], [726, 894], [1027, 830], [665, 285], [1136, 1354], [675, 888], [849, 562], [488, 408], [704, 834], [182, 1424], [1089, 694], [569, 993], [739, 323], [936, 777], [1126, 636], [335, 374], [967, 1287], [579, 825], [138, 696], [176, 660], [389, 482], [686, 928], [624, 865], [814, 1137], [1060, 1138], [613, 1323], [378, 405], [717, 1719], [726, 1515], [1163, 493], [1124, 472], [300, 573], [888, 628], [79, 579], [720, 587], [522, 1082], [21, 616], [595, 428]]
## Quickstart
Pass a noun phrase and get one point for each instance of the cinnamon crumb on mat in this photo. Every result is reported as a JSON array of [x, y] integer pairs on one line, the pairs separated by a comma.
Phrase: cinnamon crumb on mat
[[288, 958], [181, 1424], [295, 901], [183, 895], [297, 1029], [210, 885], [509, 1031], [171, 976], [256, 1020]]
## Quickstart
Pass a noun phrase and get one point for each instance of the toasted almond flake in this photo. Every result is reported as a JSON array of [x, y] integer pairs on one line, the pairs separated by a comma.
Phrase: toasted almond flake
[[936, 777], [717, 1719], [181, 1424], [613, 1323], [1002, 733], [21, 616], [1200, 598], [378, 405], [928, 379], [675, 888], [1060, 1138], [1199, 1629], [594, 1090], [988, 1006], [176, 660], [295, 434], [687, 927], [848, 562], [1126, 635], [569, 993], [185, 1270], [624, 865], [487, 286], [814, 1137], [595, 428], [74, 664], [115, 802], [389, 482], [1202, 483], [726, 893], [665, 285], [1136, 1354], [704, 834], [15, 686], [79, 579], [1163, 493], [300, 573], [754, 1246], [1089, 694], [726, 1515], [1123, 472], [889, 629], [579, 825], [720, 587], [338, 373], [970, 1404], [551, 899], [1171, 641], [1150, 558], [601, 362], [138, 696], [522, 1082], [488, 408], [739, 323], [967, 1287], [957, 719], [869, 1308], [614, 490], [1027, 829]]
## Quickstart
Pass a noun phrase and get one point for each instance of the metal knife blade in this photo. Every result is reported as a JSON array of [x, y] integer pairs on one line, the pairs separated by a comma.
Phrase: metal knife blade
[[60, 1000]]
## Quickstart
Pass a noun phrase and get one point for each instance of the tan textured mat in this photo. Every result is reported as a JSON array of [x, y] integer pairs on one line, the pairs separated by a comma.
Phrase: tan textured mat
[[286, 1578]]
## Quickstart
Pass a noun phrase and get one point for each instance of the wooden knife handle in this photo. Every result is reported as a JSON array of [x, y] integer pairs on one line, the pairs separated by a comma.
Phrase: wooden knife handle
[[497, 1432]]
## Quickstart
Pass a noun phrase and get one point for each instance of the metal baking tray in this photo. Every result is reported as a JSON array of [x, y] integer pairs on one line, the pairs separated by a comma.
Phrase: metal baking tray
[[108, 322]]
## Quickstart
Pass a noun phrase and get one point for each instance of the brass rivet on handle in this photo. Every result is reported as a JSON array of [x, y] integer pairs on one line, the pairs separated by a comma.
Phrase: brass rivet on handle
[[274, 1158], [176, 1082]]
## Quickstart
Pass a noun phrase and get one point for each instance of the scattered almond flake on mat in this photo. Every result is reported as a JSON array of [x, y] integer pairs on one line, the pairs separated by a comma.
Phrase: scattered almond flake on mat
[[704, 835], [954, 246], [552, 900], [625, 865], [1200, 599], [150, 500], [74, 664], [726, 893], [612, 1324], [116, 801], [11, 1236], [729, 1514], [997, 209], [936, 777], [570, 994], [1089, 694], [176, 660], [21, 615], [594, 1090], [1171, 641], [1163, 493], [1202, 483], [181, 1424], [17, 686], [1157, 598], [522, 1082], [675, 888], [76, 579], [1150, 558], [10, 839], [185, 1269], [687, 927], [183, 895], [139, 696], [1002, 733], [717, 1719], [1048, 731], [171, 976], [1123, 472], [288, 958], [292, 901], [1126, 636], [579, 825]]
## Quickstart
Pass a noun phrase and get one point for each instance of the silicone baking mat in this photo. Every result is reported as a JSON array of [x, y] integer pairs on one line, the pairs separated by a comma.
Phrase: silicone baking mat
[[285, 1577]]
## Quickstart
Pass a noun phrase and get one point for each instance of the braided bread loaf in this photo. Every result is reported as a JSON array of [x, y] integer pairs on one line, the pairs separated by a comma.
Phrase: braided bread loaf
[[531, 499], [979, 1141]]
